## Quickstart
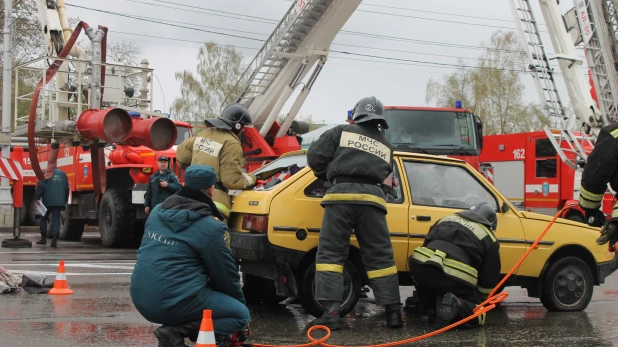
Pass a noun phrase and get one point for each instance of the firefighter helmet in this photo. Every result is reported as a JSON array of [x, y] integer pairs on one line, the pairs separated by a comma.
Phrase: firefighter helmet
[[488, 212], [369, 109], [234, 117]]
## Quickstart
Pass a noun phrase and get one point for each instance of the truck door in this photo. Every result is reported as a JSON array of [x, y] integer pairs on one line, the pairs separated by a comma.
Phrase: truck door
[[542, 191]]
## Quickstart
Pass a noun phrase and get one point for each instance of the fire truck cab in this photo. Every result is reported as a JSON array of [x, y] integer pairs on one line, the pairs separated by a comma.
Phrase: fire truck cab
[[530, 172]]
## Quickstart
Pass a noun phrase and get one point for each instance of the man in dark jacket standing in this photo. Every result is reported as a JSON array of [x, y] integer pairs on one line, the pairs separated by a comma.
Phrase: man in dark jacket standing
[[161, 186], [356, 158], [55, 193], [185, 265], [458, 264]]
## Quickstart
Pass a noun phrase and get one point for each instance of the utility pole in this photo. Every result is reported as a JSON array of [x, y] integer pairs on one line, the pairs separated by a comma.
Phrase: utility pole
[[6, 200]]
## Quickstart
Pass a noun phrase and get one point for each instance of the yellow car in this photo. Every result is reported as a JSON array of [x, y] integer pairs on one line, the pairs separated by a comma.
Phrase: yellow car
[[275, 227]]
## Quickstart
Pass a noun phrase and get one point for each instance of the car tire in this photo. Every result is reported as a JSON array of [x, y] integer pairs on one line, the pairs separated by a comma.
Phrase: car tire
[[259, 290], [351, 290], [116, 218], [567, 285]]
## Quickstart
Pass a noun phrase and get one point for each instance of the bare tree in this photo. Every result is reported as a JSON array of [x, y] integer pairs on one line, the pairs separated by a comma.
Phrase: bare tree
[[219, 68], [492, 89]]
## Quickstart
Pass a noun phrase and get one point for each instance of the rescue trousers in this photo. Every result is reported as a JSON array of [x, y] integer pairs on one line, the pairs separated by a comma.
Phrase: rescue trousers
[[431, 284], [228, 314], [55, 212], [369, 226]]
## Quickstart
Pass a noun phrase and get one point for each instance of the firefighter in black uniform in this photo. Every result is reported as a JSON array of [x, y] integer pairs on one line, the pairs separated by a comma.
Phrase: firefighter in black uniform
[[356, 159], [601, 169], [457, 266]]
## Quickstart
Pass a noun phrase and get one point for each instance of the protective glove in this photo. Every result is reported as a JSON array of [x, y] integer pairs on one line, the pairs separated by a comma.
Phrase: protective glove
[[594, 217], [609, 234]]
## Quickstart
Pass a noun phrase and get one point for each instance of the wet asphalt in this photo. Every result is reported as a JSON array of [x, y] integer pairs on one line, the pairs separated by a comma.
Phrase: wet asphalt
[[100, 312]]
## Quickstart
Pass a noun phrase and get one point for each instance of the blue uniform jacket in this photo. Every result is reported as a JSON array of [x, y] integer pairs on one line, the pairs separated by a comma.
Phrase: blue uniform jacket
[[183, 257], [155, 194], [54, 191]]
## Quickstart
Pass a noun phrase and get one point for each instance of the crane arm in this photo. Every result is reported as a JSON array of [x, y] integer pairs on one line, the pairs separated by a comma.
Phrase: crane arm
[[300, 42]]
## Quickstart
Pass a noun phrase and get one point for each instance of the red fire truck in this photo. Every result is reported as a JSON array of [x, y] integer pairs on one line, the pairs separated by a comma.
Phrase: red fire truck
[[532, 173], [126, 166]]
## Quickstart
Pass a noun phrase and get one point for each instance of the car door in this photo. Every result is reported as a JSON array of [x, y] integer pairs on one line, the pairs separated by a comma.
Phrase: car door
[[438, 189]]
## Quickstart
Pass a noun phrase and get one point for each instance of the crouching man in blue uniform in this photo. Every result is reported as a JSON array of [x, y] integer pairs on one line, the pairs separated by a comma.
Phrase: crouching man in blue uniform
[[185, 265]]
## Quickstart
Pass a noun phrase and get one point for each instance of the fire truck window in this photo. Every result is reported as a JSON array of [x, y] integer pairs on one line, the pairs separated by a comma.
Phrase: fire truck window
[[445, 186], [546, 168], [544, 148]]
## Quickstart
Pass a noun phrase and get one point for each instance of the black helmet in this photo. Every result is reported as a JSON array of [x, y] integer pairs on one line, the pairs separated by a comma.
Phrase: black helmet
[[488, 212], [234, 117], [369, 109]]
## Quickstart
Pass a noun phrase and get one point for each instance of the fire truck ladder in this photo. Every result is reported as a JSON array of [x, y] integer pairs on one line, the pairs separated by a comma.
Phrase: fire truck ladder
[[279, 48], [600, 47], [578, 155], [538, 63]]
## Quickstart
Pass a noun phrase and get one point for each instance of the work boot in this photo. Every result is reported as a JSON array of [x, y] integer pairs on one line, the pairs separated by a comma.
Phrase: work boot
[[190, 330], [450, 308], [393, 316], [53, 244], [42, 241], [332, 321], [168, 337]]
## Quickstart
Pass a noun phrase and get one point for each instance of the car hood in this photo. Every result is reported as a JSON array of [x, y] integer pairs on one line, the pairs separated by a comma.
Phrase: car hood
[[545, 218]]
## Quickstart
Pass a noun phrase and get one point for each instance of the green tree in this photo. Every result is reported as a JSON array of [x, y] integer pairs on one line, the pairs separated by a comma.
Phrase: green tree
[[203, 92], [492, 88]]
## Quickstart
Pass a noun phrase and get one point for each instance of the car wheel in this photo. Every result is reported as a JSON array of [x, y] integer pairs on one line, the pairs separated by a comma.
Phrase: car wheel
[[351, 290], [567, 286], [259, 290]]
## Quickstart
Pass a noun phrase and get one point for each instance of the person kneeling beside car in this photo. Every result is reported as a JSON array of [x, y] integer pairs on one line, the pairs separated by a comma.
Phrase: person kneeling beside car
[[185, 265]]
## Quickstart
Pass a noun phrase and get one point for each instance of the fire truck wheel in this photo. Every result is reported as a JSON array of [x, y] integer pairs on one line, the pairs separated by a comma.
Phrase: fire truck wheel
[[351, 290], [116, 218], [567, 286], [576, 217], [70, 229]]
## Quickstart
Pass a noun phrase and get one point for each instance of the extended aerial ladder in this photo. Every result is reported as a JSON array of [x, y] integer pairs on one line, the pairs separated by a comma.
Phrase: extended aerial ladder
[[300, 42]]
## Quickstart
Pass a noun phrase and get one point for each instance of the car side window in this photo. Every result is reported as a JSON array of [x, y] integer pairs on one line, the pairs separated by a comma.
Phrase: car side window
[[318, 188], [445, 186]]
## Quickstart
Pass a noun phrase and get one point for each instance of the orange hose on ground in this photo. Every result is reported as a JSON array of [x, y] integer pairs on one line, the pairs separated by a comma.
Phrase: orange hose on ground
[[492, 300]]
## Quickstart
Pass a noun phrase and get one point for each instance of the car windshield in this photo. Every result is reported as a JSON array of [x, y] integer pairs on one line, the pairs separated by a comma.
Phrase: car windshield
[[183, 134], [431, 131]]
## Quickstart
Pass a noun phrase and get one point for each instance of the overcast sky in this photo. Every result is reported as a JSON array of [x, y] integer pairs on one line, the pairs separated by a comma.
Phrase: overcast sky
[[343, 80]]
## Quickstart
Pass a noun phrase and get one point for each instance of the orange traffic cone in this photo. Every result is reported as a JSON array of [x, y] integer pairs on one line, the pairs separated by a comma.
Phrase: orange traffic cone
[[206, 337], [60, 283]]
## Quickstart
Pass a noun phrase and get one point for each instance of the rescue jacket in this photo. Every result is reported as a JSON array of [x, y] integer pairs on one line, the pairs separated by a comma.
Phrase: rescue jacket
[[54, 191], [221, 150], [155, 194], [465, 249], [356, 159], [183, 256], [600, 170]]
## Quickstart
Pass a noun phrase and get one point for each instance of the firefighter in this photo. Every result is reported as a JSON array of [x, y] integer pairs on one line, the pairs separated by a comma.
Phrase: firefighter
[[162, 185], [54, 193], [355, 158], [185, 265], [601, 169], [219, 146], [457, 266]]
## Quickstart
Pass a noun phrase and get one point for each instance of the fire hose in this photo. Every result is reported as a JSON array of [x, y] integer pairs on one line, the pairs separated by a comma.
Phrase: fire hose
[[492, 300]]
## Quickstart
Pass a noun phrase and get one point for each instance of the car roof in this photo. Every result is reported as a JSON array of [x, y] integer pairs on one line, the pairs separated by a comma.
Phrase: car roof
[[406, 155]]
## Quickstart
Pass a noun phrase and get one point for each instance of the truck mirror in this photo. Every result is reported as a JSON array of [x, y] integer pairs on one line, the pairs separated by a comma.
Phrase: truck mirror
[[479, 131]]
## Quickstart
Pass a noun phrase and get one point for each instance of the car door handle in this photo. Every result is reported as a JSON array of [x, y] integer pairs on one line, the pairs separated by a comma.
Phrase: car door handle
[[424, 218]]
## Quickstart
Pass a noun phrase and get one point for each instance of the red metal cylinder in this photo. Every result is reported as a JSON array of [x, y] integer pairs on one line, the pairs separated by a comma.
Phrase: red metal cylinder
[[125, 156], [156, 133], [18, 185], [109, 125]]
